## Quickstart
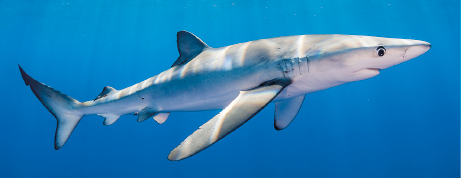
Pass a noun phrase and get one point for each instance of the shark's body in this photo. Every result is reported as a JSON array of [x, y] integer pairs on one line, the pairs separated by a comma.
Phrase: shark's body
[[241, 79]]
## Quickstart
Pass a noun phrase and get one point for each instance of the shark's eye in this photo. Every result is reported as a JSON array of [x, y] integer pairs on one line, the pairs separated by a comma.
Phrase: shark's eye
[[380, 51]]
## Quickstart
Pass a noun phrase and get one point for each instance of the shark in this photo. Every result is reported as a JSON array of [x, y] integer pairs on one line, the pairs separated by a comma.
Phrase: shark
[[240, 80]]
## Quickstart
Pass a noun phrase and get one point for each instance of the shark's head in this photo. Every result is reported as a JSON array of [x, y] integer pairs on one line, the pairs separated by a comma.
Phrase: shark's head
[[362, 57]]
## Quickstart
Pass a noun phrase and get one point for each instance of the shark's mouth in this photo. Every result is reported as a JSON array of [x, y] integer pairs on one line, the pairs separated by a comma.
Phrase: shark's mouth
[[377, 69], [369, 70]]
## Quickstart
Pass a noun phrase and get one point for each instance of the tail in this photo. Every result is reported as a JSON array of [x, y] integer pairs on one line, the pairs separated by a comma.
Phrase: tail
[[63, 107]]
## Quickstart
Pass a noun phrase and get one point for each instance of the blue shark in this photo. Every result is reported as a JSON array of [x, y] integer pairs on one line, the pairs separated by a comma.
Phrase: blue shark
[[240, 80]]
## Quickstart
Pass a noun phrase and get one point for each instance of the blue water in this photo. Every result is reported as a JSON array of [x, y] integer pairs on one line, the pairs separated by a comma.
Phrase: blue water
[[403, 123]]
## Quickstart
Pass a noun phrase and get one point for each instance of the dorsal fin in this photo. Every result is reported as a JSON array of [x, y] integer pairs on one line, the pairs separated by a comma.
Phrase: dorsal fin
[[189, 46], [105, 92]]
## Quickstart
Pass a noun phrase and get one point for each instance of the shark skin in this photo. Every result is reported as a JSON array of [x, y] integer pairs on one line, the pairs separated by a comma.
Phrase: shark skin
[[240, 79]]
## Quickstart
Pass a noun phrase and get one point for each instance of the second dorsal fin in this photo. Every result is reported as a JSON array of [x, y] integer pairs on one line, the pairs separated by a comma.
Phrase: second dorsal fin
[[189, 46], [105, 92]]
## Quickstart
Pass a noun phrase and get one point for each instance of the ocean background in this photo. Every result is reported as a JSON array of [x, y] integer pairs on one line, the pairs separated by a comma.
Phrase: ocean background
[[404, 122]]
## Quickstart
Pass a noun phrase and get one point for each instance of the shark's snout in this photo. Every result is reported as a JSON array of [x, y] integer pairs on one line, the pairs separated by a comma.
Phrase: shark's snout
[[425, 46], [416, 50]]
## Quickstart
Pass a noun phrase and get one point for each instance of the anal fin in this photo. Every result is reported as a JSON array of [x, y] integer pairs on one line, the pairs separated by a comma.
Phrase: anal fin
[[109, 118]]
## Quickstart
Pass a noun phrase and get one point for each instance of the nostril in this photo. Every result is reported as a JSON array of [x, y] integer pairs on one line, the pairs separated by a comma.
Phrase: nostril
[[405, 53], [416, 50]]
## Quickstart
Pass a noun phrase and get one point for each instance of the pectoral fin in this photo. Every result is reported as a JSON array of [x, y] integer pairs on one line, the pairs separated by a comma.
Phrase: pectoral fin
[[247, 104], [286, 111]]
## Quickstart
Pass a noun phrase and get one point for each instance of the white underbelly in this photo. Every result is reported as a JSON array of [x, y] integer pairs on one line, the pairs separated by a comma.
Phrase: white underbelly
[[306, 85]]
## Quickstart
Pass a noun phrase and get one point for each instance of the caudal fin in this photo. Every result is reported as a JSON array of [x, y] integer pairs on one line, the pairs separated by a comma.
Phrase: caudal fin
[[63, 107]]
